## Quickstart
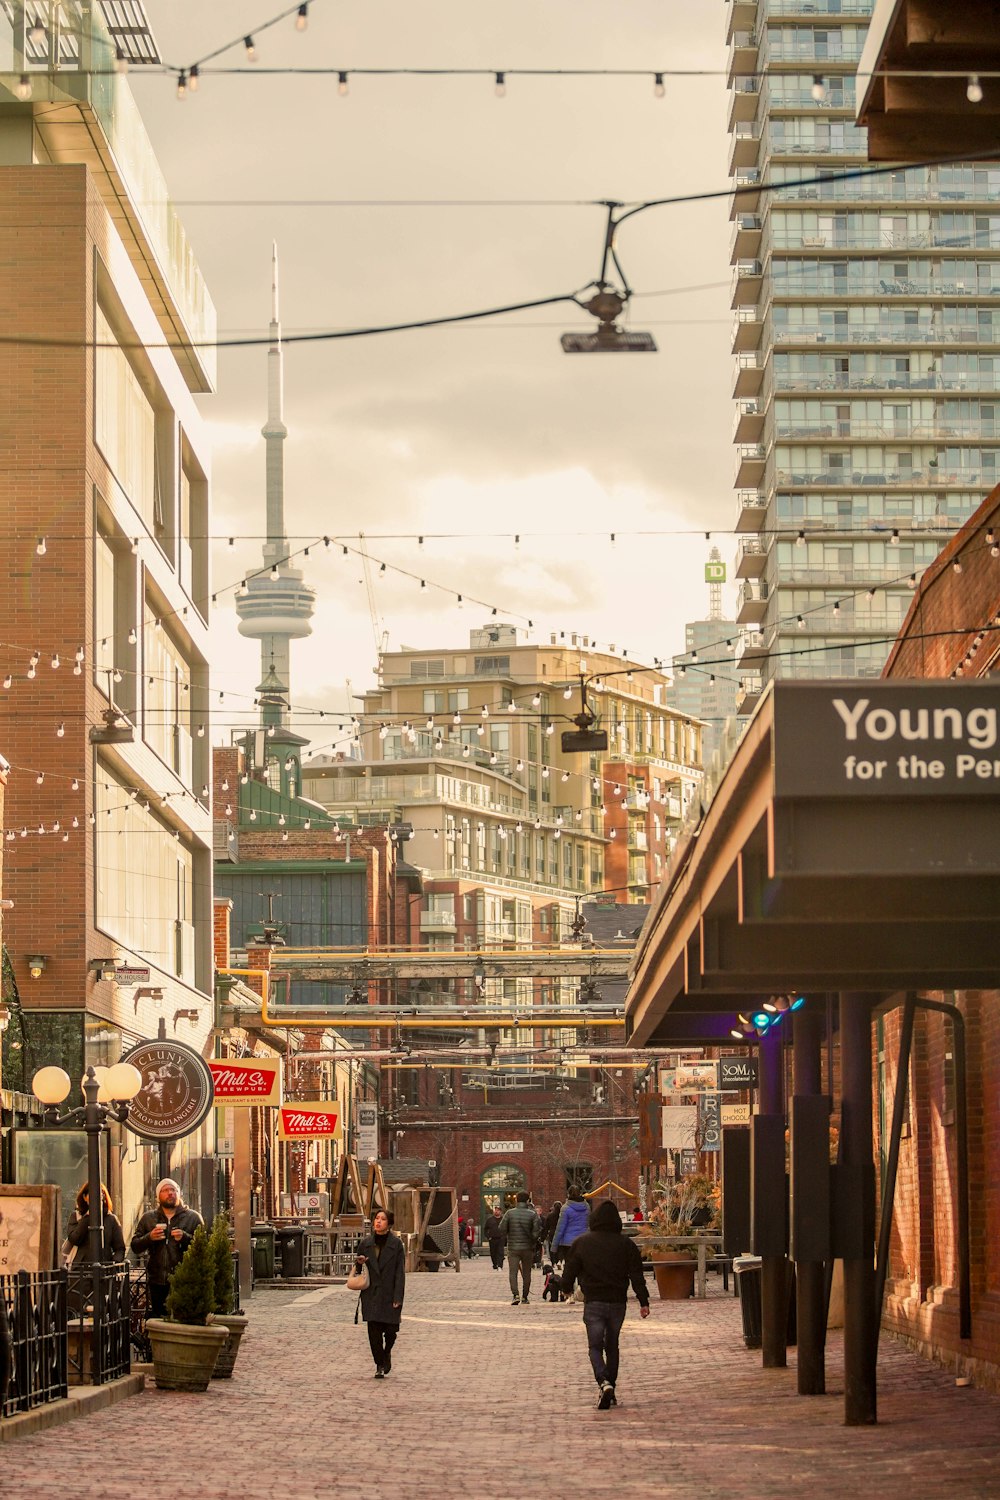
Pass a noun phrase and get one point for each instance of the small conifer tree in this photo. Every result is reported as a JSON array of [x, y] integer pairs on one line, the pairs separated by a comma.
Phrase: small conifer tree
[[222, 1262], [192, 1286]]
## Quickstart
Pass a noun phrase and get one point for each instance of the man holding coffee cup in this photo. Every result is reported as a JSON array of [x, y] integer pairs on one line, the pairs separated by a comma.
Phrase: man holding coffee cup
[[163, 1234]]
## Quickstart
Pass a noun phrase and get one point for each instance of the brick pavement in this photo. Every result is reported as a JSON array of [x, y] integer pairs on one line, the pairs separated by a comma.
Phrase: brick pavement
[[485, 1398]]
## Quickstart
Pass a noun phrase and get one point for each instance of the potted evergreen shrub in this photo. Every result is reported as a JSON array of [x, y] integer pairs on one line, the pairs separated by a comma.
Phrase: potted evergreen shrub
[[186, 1344], [226, 1311]]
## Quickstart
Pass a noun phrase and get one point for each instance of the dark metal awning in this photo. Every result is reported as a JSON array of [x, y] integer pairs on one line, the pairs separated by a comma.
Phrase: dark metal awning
[[853, 843]]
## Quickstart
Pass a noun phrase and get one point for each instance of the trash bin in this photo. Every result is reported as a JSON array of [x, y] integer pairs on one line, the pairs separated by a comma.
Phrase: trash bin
[[262, 1238], [292, 1242], [746, 1269]]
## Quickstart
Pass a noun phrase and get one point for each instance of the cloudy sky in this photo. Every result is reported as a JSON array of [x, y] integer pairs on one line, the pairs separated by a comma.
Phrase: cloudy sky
[[484, 431]]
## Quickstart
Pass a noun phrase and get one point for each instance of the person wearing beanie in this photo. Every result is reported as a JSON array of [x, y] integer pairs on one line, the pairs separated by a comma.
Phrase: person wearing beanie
[[605, 1261], [162, 1235]]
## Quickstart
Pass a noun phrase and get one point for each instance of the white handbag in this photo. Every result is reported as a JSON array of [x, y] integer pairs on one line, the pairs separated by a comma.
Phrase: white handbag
[[359, 1281]]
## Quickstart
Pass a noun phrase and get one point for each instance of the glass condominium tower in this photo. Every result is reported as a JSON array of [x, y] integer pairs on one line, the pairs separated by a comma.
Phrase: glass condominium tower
[[867, 345]]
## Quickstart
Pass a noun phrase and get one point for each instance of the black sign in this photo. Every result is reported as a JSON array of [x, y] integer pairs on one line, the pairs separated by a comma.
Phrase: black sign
[[737, 1072], [177, 1090], [887, 739], [711, 1122]]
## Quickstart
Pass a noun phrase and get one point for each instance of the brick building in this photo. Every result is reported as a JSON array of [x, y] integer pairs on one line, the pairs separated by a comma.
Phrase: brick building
[[952, 630], [104, 490]]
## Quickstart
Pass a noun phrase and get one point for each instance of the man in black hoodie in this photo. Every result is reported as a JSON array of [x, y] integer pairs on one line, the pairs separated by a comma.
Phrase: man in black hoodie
[[604, 1261]]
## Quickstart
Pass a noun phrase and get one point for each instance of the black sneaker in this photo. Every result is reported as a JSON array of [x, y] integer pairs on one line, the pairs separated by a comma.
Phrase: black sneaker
[[607, 1396], [379, 1373], [386, 1363], [614, 1398], [525, 1299], [515, 1301]]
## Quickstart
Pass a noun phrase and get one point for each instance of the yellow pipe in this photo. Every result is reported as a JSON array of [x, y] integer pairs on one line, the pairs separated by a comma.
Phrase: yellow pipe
[[471, 1066], [451, 1023], [357, 955]]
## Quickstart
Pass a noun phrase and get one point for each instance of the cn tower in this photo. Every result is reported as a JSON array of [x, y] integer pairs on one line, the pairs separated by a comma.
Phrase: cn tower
[[277, 606]]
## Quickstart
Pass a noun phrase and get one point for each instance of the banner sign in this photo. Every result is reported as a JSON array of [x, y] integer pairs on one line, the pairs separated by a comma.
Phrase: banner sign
[[715, 572], [317, 1120], [366, 1135], [680, 1124], [711, 1124], [696, 1075], [130, 974], [735, 1114], [177, 1090], [887, 739], [503, 1146], [737, 1072], [247, 1080]]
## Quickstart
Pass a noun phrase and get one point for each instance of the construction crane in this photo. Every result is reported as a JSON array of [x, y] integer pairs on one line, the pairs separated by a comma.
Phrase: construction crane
[[379, 631]]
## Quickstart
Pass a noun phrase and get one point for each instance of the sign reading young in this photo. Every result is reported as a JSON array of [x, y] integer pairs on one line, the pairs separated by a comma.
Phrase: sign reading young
[[246, 1080], [317, 1120], [177, 1090], [887, 739]]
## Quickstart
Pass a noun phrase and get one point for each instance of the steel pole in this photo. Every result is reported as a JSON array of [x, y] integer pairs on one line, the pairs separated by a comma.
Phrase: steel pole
[[773, 1268], [810, 1279], [93, 1124], [858, 1206]]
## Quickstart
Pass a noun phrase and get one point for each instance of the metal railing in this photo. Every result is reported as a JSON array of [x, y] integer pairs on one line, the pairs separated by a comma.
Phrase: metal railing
[[33, 1350], [99, 1314]]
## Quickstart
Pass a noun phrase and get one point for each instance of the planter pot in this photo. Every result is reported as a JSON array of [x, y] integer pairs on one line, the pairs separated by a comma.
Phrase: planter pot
[[675, 1277], [236, 1324], [184, 1354]]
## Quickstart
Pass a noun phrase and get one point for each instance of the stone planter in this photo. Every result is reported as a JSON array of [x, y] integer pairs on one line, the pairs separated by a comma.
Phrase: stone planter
[[236, 1324], [674, 1277], [184, 1354]]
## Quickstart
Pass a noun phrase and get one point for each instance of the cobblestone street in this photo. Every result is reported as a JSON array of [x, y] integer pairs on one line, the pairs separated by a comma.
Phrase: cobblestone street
[[485, 1398]]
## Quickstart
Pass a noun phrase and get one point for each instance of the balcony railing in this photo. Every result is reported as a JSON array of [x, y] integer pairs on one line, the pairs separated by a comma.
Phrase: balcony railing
[[798, 381], [438, 921]]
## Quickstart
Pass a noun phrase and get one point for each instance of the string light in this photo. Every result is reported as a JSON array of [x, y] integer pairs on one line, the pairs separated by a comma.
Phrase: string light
[[974, 89], [182, 84], [23, 87], [658, 89], [500, 85], [302, 18], [193, 78], [251, 50], [342, 90], [40, 547], [818, 90]]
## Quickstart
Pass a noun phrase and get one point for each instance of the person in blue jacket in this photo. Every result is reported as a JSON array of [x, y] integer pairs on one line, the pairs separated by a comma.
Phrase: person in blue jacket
[[573, 1221]]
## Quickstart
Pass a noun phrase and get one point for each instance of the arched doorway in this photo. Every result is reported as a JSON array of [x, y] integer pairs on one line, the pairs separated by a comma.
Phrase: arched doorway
[[500, 1184]]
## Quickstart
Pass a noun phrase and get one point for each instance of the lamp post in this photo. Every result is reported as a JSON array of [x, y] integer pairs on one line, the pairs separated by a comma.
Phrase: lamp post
[[107, 1093]]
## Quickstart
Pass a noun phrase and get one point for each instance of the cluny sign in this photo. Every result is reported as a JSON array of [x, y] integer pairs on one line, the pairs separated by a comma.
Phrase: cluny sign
[[887, 739]]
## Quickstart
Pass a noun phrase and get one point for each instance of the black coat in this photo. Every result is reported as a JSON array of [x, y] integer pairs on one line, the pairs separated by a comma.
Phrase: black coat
[[491, 1229], [164, 1255], [78, 1234], [387, 1277]]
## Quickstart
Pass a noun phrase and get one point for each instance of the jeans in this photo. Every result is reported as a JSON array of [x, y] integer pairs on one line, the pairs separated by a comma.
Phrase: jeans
[[158, 1299], [381, 1337], [519, 1259], [603, 1322], [496, 1253]]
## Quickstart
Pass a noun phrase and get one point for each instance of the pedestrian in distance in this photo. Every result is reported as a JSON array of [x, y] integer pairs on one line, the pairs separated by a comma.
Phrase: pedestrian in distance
[[469, 1238], [522, 1229], [76, 1246], [163, 1234], [382, 1300], [605, 1262], [551, 1225], [491, 1230], [573, 1220]]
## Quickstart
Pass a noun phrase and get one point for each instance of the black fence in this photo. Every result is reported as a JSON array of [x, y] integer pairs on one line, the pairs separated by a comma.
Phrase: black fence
[[54, 1324], [33, 1345]]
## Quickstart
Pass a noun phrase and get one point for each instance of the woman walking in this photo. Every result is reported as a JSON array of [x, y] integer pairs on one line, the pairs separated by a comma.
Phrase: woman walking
[[573, 1221], [382, 1300]]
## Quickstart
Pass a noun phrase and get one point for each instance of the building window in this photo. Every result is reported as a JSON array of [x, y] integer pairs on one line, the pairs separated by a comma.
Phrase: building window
[[125, 425]]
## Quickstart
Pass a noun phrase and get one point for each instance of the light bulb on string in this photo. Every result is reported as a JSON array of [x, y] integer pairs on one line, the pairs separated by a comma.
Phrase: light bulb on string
[[61, 731], [500, 85], [40, 778], [658, 89], [74, 785], [182, 82], [974, 89], [250, 48], [23, 88], [193, 78], [302, 17], [40, 547], [818, 88], [342, 90], [121, 62], [132, 637], [55, 662]]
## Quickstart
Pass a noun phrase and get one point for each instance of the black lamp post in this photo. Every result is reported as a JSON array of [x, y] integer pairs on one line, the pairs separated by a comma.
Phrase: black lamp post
[[107, 1093]]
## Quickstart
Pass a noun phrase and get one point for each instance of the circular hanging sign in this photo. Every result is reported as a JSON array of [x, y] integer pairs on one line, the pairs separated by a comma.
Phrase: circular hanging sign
[[177, 1090]]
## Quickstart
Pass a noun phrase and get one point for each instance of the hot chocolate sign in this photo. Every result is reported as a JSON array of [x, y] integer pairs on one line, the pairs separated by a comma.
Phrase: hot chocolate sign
[[246, 1081], [318, 1120]]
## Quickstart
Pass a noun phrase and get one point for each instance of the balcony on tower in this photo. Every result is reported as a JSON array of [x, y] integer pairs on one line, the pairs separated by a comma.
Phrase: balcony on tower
[[748, 691], [745, 239], [744, 145], [752, 651], [740, 16], [751, 602], [744, 47], [751, 557], [747, 282], [751, 459], [749, 421], [751, 511], [747, 330], [749, 375], [743, 100], [746, 192]]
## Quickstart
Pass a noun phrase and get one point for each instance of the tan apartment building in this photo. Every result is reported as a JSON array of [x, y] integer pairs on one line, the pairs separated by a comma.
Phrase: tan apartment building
[[104, 490]]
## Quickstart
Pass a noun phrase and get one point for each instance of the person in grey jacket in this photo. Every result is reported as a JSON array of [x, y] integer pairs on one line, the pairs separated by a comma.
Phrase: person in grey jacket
[[382, 1302], [521, 1228]]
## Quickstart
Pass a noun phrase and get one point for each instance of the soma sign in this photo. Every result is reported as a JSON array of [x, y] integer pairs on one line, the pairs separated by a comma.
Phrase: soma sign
[[887, 739]]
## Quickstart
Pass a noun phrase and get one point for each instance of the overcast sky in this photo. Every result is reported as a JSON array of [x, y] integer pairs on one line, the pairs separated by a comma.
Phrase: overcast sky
[[489, 428]]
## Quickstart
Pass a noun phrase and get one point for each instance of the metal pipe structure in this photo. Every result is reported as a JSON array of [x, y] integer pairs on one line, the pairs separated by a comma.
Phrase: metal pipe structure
[[810, 1298], [857, 1200]]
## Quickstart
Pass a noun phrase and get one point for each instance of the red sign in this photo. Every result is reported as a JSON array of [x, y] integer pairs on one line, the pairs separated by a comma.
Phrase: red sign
[[316, 1121], [247, 1080]]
